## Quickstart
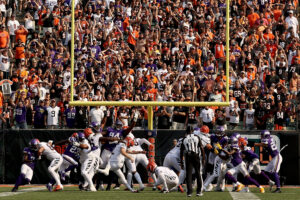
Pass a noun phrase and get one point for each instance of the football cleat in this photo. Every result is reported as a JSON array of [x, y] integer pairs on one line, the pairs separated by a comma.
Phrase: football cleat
[[246, 189], [92, 189], [49, 187], [164, 191], [180, 189], [239, 187], [189, 195], [199, 194], [153, 188], [134, 191], [142, 188], [116, 187], [277, 191], [262, 190], [15, 189], [271, 184], [57, 188]]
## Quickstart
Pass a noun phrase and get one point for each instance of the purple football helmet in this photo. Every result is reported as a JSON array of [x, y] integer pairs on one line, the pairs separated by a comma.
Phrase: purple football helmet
[[236, 135], [34, 143], [81, 136], [220, 131], [265, 134]]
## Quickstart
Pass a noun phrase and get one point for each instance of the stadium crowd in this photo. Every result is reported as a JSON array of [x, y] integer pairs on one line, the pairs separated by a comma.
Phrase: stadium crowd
[[158, 50]]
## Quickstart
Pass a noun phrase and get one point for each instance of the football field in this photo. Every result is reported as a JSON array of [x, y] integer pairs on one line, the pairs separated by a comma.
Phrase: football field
[[72, 193]]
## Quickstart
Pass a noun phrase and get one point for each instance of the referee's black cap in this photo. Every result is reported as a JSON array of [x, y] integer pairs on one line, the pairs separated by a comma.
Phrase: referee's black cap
[[189, 129]]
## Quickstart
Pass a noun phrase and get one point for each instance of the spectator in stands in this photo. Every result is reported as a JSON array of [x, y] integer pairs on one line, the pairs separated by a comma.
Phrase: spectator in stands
[[153, 51]]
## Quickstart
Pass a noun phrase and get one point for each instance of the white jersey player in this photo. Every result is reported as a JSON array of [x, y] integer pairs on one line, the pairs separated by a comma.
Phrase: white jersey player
[[117, 161], [165, 176], [172, 161], [94, 139], [88, 160], [56, 159], [138, 159]]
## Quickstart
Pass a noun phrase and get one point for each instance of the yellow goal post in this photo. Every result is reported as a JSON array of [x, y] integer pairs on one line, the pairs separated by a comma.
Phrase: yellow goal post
[[148, 104]]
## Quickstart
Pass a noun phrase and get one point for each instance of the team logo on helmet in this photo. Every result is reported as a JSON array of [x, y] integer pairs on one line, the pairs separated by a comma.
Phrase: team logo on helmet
[[204, 129], [151, 166], [87, 132]]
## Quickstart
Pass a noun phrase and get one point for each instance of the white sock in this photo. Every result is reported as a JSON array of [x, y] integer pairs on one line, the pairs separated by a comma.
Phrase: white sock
[[129, 178], [138, 179], [209, 180], [122, 178], [181, 176]]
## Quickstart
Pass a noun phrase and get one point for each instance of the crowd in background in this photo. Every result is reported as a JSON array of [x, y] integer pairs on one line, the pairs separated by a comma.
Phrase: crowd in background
[[157, 50]]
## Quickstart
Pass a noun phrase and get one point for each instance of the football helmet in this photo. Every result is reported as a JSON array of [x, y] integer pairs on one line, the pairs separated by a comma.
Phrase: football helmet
[[151, 166], [243, 142], [34, 144], [94, 124], [204, 129], [220, 131], [81, 136], [118, 125], [265, 134], [236, 135], [75, 135], [129, 141], [234, 141], [87, 132]]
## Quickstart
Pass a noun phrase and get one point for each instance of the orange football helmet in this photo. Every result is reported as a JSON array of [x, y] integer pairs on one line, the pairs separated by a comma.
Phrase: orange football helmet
[[87, 132], [129, 141], [204, 129], [151, 166]]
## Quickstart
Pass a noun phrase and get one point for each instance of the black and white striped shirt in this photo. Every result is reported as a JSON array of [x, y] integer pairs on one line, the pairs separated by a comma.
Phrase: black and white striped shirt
[[192, 144]]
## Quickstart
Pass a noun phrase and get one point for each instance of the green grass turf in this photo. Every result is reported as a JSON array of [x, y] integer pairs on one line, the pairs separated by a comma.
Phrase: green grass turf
[[72, 193]]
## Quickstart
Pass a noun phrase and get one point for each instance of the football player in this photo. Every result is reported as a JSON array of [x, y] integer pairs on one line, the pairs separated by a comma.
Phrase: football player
[[29, 161], [115, 134], [172, 161], [220, 166], [118, 157], [70, 156], [273, 166], [88, 161], [252, 160], [239, 166], [47, 150], [138, 158], [165, 176]]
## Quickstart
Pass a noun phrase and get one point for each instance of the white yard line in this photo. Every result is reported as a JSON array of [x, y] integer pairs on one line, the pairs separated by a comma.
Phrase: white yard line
[[6, 194], [242, 195]]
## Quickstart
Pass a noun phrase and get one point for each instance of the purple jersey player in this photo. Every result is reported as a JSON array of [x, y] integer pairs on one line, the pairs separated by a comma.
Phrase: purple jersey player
[[70, 156], [29, 161], [273, 166], [253, 161], [239, 166]]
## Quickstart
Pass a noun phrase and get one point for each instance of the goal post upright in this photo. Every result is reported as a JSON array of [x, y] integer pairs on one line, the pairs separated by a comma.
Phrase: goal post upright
[[148, 104]]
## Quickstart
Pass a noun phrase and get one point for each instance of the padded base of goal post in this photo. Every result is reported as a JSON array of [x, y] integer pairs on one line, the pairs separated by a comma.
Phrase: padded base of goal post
[[151, 156]]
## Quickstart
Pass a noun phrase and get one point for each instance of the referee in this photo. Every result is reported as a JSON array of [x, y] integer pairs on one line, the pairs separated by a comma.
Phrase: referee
[[191, 150]]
